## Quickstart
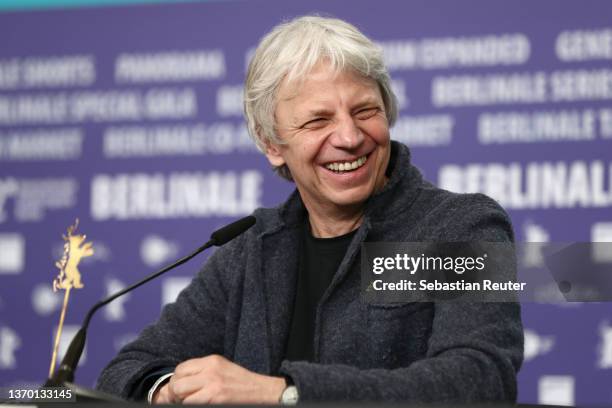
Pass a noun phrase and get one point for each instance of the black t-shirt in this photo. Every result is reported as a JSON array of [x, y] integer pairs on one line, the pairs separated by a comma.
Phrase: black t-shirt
[[319, 260]]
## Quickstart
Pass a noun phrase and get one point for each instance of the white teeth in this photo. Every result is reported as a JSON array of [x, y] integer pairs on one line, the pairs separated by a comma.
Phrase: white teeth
[[347, 166]]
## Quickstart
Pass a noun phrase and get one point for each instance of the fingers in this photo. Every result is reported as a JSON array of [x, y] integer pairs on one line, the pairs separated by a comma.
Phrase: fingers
[[206, 395], [201, 389], [185, 386], [198, 380], [216, 380], [163, 395]]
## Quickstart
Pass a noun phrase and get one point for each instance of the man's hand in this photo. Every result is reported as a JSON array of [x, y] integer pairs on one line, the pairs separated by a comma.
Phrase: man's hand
[[216, 380]]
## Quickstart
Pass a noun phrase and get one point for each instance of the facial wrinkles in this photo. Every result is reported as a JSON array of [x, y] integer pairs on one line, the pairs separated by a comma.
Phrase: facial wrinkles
[[326, 121], [307, 100], [341, 158], [330, 106]]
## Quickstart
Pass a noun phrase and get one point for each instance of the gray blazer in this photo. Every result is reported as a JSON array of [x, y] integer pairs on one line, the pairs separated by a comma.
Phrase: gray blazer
[[240, 306]]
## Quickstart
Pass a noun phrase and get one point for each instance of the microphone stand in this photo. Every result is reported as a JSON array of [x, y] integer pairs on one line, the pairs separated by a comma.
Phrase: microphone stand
[[64, 376]]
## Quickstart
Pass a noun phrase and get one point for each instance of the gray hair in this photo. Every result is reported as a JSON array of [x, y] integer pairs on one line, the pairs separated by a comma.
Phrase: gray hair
[[290, 51]]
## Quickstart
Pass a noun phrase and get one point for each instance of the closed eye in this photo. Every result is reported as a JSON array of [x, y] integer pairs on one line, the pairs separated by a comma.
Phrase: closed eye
[[366, 113], [314, 123]]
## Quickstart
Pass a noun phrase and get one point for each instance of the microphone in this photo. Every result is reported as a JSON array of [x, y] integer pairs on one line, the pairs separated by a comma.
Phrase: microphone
[[225, 234], [67, 368]]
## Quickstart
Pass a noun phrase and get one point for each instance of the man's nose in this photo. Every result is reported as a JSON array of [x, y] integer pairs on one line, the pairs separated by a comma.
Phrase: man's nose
[[347, 134]]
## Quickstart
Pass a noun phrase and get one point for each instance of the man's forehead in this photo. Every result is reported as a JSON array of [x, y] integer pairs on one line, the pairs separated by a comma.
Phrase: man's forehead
[[304, 90], [292, 83]]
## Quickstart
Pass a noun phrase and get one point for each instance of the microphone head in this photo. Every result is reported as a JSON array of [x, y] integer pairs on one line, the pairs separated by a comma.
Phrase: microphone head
[[225, 234]]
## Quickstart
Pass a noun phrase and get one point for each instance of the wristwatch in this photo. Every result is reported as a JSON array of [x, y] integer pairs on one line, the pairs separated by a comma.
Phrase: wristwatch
[[290, 396]]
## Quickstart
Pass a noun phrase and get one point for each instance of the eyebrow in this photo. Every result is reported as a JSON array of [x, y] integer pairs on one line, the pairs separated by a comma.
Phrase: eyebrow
[[367, 101], [326, 112], [300, 118], [319, 112]]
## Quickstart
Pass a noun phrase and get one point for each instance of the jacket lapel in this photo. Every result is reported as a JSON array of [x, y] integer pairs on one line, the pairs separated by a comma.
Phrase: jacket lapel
[[269, 289], [279, 269], [252, 349]]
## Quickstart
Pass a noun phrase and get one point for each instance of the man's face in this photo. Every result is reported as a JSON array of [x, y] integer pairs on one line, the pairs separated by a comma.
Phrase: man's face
[[336, 136]]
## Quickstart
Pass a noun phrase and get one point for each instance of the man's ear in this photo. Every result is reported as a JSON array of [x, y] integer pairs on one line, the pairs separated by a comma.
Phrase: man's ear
[[274, 154]]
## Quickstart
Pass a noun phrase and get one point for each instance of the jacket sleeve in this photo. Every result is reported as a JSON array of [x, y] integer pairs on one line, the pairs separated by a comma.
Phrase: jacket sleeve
[[475, 349], [200, 308]]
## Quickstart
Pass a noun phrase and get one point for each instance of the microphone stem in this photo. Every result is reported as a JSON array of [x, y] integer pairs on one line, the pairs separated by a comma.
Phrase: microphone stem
[[65, 373], [142, 282]]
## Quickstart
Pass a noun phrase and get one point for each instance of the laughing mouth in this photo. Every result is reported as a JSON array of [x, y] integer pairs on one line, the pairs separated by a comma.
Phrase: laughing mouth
[[345, 167]]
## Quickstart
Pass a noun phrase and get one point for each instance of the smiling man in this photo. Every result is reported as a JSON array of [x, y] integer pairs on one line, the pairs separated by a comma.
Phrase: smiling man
[[335, 141], [276, 316]]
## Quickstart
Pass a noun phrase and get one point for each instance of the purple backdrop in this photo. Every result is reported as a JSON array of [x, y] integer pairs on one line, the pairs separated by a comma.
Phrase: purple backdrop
[[129, 118]]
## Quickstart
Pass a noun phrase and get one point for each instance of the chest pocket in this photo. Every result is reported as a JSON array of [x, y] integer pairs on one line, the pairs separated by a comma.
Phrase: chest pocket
[[398, 333]]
